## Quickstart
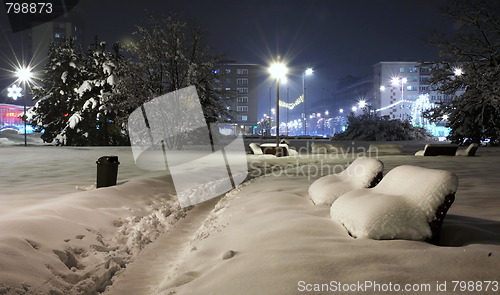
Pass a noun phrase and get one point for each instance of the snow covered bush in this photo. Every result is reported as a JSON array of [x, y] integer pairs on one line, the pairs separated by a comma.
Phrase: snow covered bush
[[369, 127], [409, 203], [362, 173]]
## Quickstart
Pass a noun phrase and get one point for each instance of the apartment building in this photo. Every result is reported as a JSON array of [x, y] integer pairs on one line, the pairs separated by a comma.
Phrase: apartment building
[[237, 85]]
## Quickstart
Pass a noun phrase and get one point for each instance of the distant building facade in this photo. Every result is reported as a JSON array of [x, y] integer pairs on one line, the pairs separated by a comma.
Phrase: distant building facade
[[399, 85], [237, 85], [401, 90], [56, 31]]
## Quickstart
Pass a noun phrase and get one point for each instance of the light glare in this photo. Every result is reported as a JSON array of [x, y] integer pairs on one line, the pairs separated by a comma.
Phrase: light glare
[[458, 72], [278, 70], [24, 74]]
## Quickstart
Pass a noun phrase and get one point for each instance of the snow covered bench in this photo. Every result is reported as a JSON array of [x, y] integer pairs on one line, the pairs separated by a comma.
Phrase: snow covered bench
[[438, 150], [362, 173], [270, 149], [409, 203], [470, 151], [325, 148], [255, 148]]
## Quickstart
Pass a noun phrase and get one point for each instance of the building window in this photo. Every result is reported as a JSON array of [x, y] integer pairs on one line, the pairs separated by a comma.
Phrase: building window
[[411, 88], [242, 90], [59, 26], [412, 70], [228, 71], [242, 118], [243, 99], [242, 72], [58, 36], [242, 81], [401, 70], [242, 109]]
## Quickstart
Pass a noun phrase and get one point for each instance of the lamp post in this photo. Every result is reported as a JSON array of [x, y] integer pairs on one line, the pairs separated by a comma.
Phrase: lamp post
[[278, 72], [287, 108], [307, 72], [24, 75], [395, 81], [324, 121]]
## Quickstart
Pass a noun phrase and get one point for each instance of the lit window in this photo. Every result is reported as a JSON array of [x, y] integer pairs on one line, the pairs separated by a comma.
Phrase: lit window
[[242, 99], [242, 71], [242, 90]]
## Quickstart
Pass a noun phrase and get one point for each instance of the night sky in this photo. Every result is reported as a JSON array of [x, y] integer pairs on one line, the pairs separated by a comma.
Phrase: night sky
[[335, 37]]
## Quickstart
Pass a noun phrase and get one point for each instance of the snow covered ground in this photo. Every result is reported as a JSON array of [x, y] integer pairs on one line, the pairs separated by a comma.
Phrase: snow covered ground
[[265, 237]]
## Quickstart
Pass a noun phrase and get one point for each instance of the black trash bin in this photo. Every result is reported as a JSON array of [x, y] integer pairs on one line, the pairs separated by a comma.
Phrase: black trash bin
[[107, 171]]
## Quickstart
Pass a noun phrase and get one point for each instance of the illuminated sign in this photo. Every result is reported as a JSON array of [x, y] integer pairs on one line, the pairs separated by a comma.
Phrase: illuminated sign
[[13, 115]]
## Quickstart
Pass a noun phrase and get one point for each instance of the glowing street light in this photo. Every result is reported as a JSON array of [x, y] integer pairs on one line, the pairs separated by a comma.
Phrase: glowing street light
[[458, 72], [362, 103], [307, 72], [446, 117], [341, 111], [278, 71], [354, 108], [24, 75]]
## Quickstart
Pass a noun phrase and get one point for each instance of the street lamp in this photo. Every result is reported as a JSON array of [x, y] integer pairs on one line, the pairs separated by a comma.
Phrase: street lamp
[[458, 72], [395, 82], [362, 103], [307, 72], [278, 71], [24, 75]]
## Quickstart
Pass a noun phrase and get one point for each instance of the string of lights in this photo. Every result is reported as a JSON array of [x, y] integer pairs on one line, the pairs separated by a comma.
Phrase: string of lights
[[292, 105], [392, 105]]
